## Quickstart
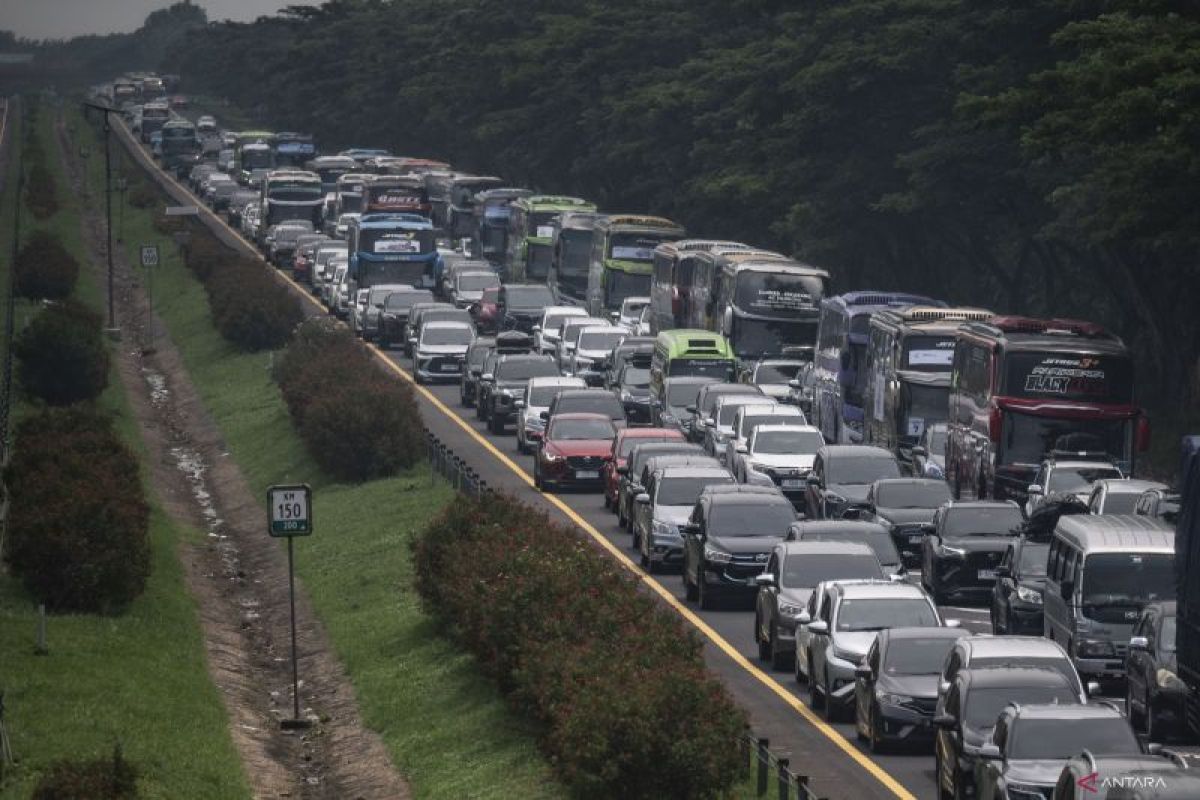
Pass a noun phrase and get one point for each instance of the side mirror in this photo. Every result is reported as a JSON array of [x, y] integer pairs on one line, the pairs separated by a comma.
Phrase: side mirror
[[794, 384], [945, 721], [642, 498], [1139, 643], [943, 687], [863, 671], [518, 403], [412, 340], [1033, 489], [1067, 589], [920, 451], [537, 329], [1003, 572], [989, 751], [708, 423], [487, 376], [765, 579], [1093, 688], [819, 627], [952, 623], [804, 617]]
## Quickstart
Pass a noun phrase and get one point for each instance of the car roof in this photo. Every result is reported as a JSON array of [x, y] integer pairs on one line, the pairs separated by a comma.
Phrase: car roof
[[908, 482], [693, 471], [1015, 646], [570, 310], [443, 324], [674, 434], [853, 451], [827, 548], [572, 415], [1014, 677], [1128, 485], [969, 504], [749, 498], [605, 328], [585, 392], [825, 527], [1066, 711], [743, 489], [1117, 533], [896, 634], [783, 426], [877, 589], [556, 380]]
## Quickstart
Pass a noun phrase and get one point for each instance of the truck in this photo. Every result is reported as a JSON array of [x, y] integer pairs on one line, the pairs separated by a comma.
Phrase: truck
[[1187, 588], [392, 248]]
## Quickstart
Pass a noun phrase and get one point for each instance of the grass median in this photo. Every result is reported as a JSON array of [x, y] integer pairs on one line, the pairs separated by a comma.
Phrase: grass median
[[447, 729]]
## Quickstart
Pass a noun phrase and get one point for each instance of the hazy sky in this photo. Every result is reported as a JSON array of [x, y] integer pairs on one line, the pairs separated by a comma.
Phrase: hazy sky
[[62, 19]]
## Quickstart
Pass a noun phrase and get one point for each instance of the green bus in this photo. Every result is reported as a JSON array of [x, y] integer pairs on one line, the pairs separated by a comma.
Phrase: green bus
[[530, 234], [689, 351], [623, 259]]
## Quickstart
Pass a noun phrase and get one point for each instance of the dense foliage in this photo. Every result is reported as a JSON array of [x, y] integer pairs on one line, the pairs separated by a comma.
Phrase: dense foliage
[[357, 422], [78, 524], [1036, 157], [45, 270], [61, 356], [627, 706]]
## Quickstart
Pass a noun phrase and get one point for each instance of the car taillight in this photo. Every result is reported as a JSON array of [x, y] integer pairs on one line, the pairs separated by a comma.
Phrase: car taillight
[[995, 423], [1143, 434]]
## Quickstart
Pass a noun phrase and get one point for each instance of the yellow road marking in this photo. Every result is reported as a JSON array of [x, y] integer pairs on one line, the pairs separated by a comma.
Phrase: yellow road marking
[[625, 561]]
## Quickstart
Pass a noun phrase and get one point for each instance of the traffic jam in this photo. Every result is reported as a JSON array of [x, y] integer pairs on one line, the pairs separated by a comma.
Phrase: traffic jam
[[927, 520]]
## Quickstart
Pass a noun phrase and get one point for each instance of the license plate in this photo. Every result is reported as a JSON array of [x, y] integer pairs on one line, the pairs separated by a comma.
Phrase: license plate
[[987, 574], [449, 367], [791, 483], [587, 474], [915, 538]]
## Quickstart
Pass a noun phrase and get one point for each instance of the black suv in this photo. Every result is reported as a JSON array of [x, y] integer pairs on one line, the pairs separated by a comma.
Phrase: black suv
[[1154, 694], [841, 476], [905, 506], [961, 553], [520, 305], [587, 401], [1020, 586], [503, 383], [476, 355]]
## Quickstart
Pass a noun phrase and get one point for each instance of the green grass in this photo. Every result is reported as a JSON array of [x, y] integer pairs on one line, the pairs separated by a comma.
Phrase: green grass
[[138, 679], [447, 729]]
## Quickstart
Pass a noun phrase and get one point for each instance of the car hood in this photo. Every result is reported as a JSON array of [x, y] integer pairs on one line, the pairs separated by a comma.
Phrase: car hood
[[791, 460], [677, 515], [636, 391], [776, 390], [745, 545], [468, 295], [854, 492], [979, 544], [582, 447], [906, 516], [442, 349], [1043, 772], [854, 643], [594, 355], [796, 596], [925, 686]]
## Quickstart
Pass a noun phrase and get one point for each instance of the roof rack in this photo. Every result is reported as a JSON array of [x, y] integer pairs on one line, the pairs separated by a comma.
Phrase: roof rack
[[1056, 326], [931, 313], [642, 219]]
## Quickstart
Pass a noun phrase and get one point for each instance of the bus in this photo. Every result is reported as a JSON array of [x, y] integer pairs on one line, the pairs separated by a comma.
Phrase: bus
[[330, 168], [530, 232], [671, 278], [291, 194], [909, 354], [349, 192], [689, 352], [697, 285], [570, 255], [392, 248], [294, 149], [623, 257], [395, 194], [253, 156], [460, 217], [154, 116], [767, 306], [493, 207], [180, 147], [840, 359], [1022, 389]]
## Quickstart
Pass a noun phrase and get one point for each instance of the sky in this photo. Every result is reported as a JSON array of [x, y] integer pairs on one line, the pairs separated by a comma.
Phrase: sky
[[62, 19]]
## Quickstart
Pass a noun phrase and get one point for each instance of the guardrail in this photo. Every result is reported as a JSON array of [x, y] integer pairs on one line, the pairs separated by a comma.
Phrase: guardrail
[[770, 769], [452, 467]]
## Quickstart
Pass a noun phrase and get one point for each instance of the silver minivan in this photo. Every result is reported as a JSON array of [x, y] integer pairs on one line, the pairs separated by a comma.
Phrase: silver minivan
[[1102, 571]]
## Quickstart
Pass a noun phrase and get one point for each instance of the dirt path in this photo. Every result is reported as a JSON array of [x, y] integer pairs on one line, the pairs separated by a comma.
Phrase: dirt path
[[238, 575]]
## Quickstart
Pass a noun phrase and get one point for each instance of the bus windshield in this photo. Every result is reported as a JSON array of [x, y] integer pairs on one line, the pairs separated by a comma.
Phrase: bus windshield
[[575, 248], [709, 367], [618, 285], [1027, 439], [778, 294], [757, 337]]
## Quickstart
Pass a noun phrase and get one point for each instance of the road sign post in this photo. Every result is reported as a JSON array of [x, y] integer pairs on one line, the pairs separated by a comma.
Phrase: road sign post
[[289, 514], [149, 255]]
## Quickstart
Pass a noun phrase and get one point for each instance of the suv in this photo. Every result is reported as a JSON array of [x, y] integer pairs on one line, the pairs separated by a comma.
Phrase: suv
[[539, 394], [1075, 476], [629, 484], [1161, 774], [718, 434], [773, 376], [780, 455], [793, 570], [746, 418], [967, 715], [670, 406], [1118, 495], [841, 477], [846, 530], [502, 387], [906, 507], [477, 353], [1017, 595], [728, 539], [975, 652], [1154, 694], [662, 509], [440, 350], [1031, 741], [701, 408], [593, 346], [844, 627], [623, 444], [568, 337], [591, 401], [545, 333], [961, 553], [573, 451], [929, 453]]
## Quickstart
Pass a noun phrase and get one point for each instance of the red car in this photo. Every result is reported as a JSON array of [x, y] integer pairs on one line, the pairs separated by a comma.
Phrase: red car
[[302, 268], [621, 446], [573, 451], [487, 311]]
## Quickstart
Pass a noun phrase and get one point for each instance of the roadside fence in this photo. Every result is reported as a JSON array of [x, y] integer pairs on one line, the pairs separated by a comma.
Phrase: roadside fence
[[774, 772], [452, 467]]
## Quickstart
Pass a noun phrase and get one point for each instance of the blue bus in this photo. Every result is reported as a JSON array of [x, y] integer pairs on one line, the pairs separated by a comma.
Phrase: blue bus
[[392, 248], [840, 362]]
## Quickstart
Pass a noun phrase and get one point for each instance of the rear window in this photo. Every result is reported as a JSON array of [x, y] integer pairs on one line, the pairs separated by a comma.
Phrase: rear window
[[524, 370], [684, 491], [630, 442], [746, 519], [608, 405], [807, 570], [966, 521]]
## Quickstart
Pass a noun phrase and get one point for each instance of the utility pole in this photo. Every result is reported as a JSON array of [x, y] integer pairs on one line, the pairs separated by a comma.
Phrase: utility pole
[[106, 110]]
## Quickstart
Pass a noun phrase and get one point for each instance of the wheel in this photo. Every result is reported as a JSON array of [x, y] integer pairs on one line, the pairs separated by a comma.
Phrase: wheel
[[796, 673], [607, 501], [830, 705], [960, 788], [495, 425], [462, 397], [537, 477], [815, 698], [1154, 729], [417, 377], [689, 588], [620, 514], [937, 772], [995, 620], [779, 660], [764, 648], [652, 566], [956, 486], [874, 736], [521, 448], [704, 595], [1135, 719], [480, 409]]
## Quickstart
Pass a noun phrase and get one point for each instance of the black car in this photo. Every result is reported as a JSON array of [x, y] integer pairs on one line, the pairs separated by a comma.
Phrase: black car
[[670, 401], [520, 305], [848, 530], [632, 388], [393, 317], [968, 713], [905, 506], [1154, 694], [635, 349], [1020, 586], [727, 542], [477, 353], [895, 686], [502, 386], [961, 553], [841, 477], [701, 408], [587, 401]]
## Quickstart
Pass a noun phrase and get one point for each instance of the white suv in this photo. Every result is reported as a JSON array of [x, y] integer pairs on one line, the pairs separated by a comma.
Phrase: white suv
[[1074, 476], [536, 399]]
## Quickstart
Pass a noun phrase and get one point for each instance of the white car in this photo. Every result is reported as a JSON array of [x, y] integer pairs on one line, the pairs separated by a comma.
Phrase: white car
[[781, 455], [548, 328], [1073, 476], [536, 399], [440, 351], [468, 287], [718, 433], [568, 335], [343, 224], [744, 422], [774, 376], [589, 358], [630, 313]]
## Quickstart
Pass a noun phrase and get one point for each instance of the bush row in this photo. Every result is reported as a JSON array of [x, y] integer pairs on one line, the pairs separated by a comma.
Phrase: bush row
[[357, 422], [41, 191], [45, 270], [78, 520], [628, 707], [61, 356]]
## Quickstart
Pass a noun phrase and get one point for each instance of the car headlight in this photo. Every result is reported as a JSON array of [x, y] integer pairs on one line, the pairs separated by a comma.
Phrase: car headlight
[[947, 551], [790, 609], [834, 497], [666, 529], [846, 655], [934, 471], [716, 556], [552, 457], [893, 699], [1169, 680], [1092, 648], [1022, 791], [535, 422], [1028, 595]]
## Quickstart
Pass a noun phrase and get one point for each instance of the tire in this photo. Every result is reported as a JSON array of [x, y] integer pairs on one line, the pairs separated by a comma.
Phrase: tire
[[764, 648], [1154, 731], [620, 515], [537, 477], [956, 490], [418, 379], [995, 620], [607, 501], [831, 711], [779, 660], [815, 698], [796, 673], [689, 588], [479, 410], [1135, 720], [495, 425], [703, 595], [874, 738], [941, 793]]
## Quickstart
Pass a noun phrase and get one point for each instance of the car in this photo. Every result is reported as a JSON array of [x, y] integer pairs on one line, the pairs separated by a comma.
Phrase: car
[[727, 541], [368, 305], [336, 276], [744, 421], [630, 485], [469, 287], [844, 627], [1119, 495], [1154, 775], [589, 356], [663, 507], [846, 530], [1058, 475], [1017, 595], [975, 652], [392, 319], [632, 388], [1158, 504], [720, 430], [630, 312], [440, 351], [572, 452], [779, 453], [793, 570], [472, 367], [568, 335], [281, 240], [929, 453], [548, 328], [772, 376], [638, 350], [539, 392], [895, 685], [841, 477], [801, 389], [1155, 697], [344, 221], [960, 553], [486, 311], [424, 313], [671, 408], [500, 389], [325, 254], [906, 507], [520, 305], [1031, 742], [706, 397], [303, 260], [967, 714], [623, 444], [653, 464], [340, 300], [594, 401], [644, 324]]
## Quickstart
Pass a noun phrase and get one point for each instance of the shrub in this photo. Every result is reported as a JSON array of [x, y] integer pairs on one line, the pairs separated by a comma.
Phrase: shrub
[[78, 522], [111, 778], [41, 194], [61, 356], [45, 270], [141, 194], [250, 308], [619, 685]]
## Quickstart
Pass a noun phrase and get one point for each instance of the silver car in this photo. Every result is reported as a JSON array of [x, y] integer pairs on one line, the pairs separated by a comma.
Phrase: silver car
[[536, 400]]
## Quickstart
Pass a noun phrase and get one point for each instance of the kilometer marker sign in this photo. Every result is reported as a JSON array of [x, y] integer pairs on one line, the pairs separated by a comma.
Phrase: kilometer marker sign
[[290, 510]]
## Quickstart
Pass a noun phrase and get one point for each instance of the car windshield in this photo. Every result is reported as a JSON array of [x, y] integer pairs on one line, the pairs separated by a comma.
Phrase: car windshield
[[630, 442], [751, 420], [528, 296], [981, 521], [606, 405], [638, 377], [572, 429], [775, 373], [925, 494], [398, 301], [525, 369], [1060, 739], [879, 540], [553, 322], [590, 340], [855, 469], [456, 335], [682, 394], [1033, 560], [875, 614], [807, 570], [917, 656], [1026, 439], [1128, 578], [1075, 479], [476, 283], [729, 410], [787, 442], [540, 396], [685, 491], [1061, 665], [984, 703], [746, 519]]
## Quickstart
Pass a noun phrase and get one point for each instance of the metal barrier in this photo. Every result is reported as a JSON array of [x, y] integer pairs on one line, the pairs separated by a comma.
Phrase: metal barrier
[[770, 768], [449, 465]]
